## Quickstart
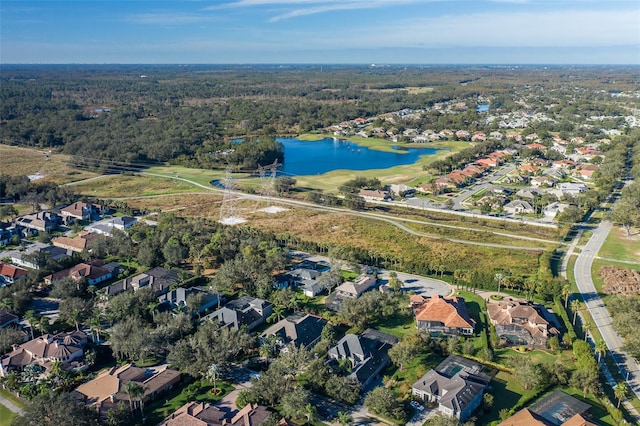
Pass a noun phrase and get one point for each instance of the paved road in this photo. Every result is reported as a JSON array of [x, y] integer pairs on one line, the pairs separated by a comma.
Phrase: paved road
[[396, 221], [11, 406], [627, 366]]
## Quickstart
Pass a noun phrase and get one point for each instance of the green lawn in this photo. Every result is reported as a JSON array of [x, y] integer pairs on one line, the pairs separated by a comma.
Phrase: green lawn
[[398, 326], [619, 245], [6, 416], [507, 393], [11, 397], [167, 404]]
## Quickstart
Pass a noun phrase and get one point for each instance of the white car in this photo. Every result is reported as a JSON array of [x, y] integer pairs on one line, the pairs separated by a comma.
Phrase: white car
[[416, 405]]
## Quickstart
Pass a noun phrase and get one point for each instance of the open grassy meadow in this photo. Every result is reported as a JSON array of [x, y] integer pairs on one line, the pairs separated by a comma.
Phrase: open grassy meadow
[[116, 186], [30, 161], [621, 246]]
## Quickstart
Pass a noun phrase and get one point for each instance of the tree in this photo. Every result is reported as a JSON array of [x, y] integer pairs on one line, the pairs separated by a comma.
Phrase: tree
[[9, 336], [309, 412], [284, 184], [135, 392], [626, 212], [344, 418], [354, 202], [566, 292], [586, 329], [32, 317], [74, 311], [576, 305], [54, 409], [406, 349], [382, 402], [620, 391], [293, 403], [213, 373]]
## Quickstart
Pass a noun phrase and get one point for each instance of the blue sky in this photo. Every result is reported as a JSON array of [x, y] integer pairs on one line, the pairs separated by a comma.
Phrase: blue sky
[[320, 31]]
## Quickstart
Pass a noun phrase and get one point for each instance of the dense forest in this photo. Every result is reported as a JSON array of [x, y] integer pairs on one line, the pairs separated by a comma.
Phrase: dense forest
[[191, 114]]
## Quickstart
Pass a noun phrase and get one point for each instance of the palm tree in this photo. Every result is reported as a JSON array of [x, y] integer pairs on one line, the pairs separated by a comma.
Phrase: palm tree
[[499, 277], [213, 373], [309, 412], [620, 391], [586, 328], [566, 292], [601, 348], [276, 315], [576, 305], [344, 418], [43, 325], [95, 326], [135, 392], [32, 317]]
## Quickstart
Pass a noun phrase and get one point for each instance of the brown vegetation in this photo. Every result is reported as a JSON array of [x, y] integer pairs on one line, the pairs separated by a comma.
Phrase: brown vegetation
[[620, 280]]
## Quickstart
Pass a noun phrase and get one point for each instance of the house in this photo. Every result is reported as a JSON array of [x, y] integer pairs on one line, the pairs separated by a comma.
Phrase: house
[[401, 189], [81, 211], [44, 350], [306, 279], [35, 255], [564, 164], [556, 409], [367, 355], [537, 146], [41, 221], [572, 188], [355, 288], [205, 414], [94, 271], [540, 181], [479, 136], [300, 329], [488, 162], [442, 315], [462, 135], [121, 223], [181, 297], [8, 317], [456, 385], [109, 387], [8, 231], [528, 193], [10, 274], [554, 208], [160, 280], [518, 207], [529, 169], [374, 195], [518, 322], [246, 311], [83, 241]]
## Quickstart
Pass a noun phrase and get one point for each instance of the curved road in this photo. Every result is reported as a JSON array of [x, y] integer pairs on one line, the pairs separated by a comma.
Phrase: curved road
[[392, 220], [627, 366]]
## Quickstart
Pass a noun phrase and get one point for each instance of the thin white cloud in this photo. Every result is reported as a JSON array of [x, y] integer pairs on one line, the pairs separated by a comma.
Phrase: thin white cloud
[[564, 28], [311, 7], [170, 18]]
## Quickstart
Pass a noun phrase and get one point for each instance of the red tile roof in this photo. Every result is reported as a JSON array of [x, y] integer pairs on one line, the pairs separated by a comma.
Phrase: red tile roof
[[452, 312], [11, 271]]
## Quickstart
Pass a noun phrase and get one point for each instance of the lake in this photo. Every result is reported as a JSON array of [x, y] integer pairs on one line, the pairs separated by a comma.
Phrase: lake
[[317, 157]]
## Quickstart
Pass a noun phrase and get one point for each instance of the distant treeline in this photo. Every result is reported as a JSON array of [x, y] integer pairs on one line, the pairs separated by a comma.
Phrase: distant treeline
[[171, 113]]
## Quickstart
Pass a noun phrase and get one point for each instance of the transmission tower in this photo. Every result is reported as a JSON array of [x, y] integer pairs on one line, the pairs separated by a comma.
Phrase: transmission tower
[[230, 198], [267, 183]]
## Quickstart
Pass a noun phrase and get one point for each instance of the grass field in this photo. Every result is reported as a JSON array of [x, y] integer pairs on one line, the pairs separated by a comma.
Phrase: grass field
[[6, 416], [28, 161], [619, 245], [115, 186]]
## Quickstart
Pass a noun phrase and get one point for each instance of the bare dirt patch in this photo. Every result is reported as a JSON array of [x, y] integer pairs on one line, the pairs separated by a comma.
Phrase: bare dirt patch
[[620, 280]]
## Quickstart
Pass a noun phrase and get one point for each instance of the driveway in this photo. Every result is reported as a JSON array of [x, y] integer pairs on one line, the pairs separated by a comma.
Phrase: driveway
[[420, 285]]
